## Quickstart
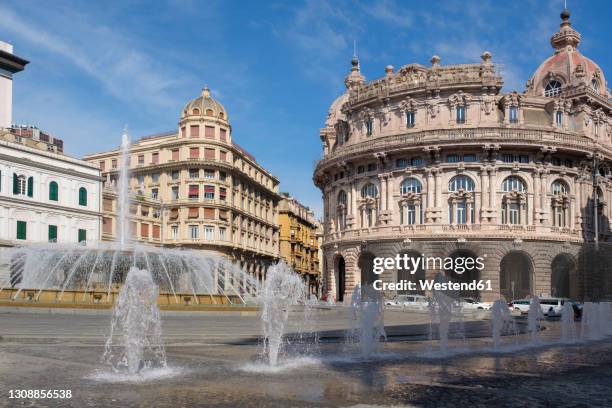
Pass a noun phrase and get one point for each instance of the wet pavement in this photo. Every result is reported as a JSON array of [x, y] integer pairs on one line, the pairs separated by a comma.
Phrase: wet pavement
[[213, 362]]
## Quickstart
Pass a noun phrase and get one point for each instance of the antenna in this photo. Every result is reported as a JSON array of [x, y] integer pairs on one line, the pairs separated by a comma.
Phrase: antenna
[[355, 48]]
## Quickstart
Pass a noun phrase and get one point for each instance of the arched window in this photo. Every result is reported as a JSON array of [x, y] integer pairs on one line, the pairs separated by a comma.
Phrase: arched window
[[83, 196], [53, 191], [209, 112], [461, 206], [195, 112], [595, 85], [560, 204], [410, 185], [369, 190], [513, 183], [559, 187], [461, 183], [221, 115], [553, 88]]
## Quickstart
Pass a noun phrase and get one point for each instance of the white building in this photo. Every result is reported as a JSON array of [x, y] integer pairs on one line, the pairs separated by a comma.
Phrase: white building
[[46, 196]]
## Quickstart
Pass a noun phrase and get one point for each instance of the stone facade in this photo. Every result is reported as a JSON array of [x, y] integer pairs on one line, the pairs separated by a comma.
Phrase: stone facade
[[299, 244], [439, 161], [197, 188]]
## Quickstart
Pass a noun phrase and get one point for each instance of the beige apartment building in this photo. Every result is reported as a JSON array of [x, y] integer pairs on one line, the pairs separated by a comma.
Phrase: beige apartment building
[[196, 188], [299, 244]]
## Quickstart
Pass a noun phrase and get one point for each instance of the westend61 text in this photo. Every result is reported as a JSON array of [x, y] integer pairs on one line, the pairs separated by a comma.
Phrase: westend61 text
[[430, 285]]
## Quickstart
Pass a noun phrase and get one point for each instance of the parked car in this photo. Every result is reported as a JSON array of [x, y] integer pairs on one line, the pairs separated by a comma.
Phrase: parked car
[[521, 305], [409, 301], [473, 304]]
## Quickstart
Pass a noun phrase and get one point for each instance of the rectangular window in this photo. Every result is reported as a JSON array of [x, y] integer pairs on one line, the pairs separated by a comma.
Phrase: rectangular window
[[222, 193], [194, 152], [194, 212], [21, 230], [144, 230], [369, 127], [155, 177], [222, 233], [194, 192], [209, 192], [183, 131], [361, 169], [156, 231], [102, 165], [523, 158], [410, 119], [209, 154], [141, 159], [175, 154], [209, 213], [559, 118], [461, 114], [209, 132], [193, 231], [452, 158], [223, 215], [155, 158], [114, 163], [416, 161], [461, 213], [401, 163], [194, 131], [469, 158], [175, 193], [411, 215], [223, 134], [209, 174], [222, 155], [508, 158], [175, 175], [107, 225], [174, 232], [515, 217], [194, 173], [52, 233], [209, 232], [556, 161], [513, 114], [82, 236], [140, 180], [222, 176], [372, 167]]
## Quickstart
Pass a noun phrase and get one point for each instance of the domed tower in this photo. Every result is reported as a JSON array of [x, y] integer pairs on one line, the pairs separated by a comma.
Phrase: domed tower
[[204, 117]]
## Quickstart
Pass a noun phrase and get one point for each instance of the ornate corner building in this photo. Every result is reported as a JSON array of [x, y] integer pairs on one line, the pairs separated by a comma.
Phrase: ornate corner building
[[299, 244], [196, 188], [438, 161]]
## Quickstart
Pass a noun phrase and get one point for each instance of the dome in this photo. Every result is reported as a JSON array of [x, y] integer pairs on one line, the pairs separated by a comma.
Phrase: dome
[[567, 67], [204, 105]]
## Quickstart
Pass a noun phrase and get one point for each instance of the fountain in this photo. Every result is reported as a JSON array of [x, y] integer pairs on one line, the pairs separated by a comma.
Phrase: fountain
[[368, 319], [590, 323], [93, 273], [282, 289], [134, 343], [442, 308], [533, 318], [500, 319], [568, 323]]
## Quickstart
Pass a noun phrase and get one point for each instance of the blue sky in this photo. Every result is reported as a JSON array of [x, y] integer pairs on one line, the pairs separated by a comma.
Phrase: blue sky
[[276, 66]]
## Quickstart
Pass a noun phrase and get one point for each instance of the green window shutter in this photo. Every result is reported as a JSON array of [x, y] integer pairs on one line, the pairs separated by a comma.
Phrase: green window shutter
[[82, 196], [52, 233], [15, 184], [30, 186], [21, 230], [53, 193], [82, 235]]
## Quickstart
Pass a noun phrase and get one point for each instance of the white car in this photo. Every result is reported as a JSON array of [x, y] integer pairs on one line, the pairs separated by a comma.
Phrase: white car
[[473, 304], [409, 301], [550, 306]]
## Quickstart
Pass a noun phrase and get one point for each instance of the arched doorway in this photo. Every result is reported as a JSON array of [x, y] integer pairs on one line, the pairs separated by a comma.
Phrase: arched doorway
[[416, 277], [563, 269], [366, 266], [340, 275], [515, 276], [464, 271]]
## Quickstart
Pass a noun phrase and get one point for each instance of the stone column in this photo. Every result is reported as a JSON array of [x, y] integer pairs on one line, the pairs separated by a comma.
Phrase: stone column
[[438, 197], [536, 192], [578, 204], [383, 192], [484, 186], [492, 188], [430, 188]]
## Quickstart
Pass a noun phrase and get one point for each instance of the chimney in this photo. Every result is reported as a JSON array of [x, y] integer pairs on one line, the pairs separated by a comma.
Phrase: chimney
[[9, 65]]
